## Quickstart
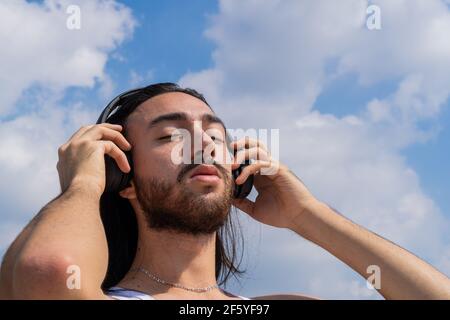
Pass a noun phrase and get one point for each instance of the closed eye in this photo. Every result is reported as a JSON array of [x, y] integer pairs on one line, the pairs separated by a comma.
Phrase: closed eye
[[217, 139], [180, 135], [176, 136]]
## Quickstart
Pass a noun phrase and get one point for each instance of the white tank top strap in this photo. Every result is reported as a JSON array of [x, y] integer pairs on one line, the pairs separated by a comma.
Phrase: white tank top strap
[[127, 294], [241, 297]]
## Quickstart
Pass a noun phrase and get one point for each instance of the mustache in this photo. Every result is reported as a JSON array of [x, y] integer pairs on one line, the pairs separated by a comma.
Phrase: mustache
[[187, 168]]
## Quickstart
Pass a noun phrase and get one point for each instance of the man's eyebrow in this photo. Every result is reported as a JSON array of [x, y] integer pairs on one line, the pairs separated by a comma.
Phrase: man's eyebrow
[[181, 116], [175, 116], [207, 117]]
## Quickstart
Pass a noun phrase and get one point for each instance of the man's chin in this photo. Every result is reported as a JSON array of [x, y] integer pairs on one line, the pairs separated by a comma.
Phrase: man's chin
[[204, 187], [207, 193]]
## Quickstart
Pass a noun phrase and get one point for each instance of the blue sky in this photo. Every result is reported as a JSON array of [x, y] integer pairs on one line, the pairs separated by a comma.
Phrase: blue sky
[[353, 107], [431, 160], [169, 40]]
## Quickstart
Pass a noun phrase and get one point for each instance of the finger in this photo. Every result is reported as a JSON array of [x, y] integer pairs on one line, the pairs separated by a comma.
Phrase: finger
[[83, 129], [244, 205], [254, 153], [79, 132], [235, 166], [246, 143], [104, 133], [252, 169], [118, 155]]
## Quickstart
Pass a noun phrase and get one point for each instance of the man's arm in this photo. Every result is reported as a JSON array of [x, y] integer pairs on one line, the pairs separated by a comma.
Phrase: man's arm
[[67, 231], [402, 274], [284, 201]]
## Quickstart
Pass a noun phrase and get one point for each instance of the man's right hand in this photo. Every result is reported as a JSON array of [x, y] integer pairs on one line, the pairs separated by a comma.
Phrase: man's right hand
[[82, 158]]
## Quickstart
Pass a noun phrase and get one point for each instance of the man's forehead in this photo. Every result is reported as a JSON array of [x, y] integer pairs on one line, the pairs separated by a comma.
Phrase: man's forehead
[[173, 102]]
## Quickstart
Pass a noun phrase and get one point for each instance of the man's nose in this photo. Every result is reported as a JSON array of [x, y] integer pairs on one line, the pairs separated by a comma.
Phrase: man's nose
[[202, 148]]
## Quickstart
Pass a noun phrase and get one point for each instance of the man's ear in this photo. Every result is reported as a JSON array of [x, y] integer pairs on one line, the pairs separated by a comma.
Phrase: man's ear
[[129, 192]]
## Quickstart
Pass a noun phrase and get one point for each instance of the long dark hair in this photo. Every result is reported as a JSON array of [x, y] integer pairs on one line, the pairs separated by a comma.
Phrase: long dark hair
[[119, 218]]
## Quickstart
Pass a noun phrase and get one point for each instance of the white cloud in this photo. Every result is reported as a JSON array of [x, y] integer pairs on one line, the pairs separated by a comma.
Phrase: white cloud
[[272, 62], [29, 163], [42, 50]]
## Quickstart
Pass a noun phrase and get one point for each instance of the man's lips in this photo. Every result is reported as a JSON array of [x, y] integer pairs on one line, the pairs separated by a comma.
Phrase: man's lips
[[206, 170], [205, 173]]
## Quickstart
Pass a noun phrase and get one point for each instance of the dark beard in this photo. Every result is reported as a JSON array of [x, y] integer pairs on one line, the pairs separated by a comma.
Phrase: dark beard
[[185, 212]]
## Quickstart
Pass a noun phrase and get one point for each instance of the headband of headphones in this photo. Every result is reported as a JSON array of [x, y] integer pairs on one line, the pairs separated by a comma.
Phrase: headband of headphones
[[114, 105]]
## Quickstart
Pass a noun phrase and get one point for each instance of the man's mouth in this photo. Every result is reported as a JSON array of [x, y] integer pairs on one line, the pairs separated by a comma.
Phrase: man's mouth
[[205, 173]]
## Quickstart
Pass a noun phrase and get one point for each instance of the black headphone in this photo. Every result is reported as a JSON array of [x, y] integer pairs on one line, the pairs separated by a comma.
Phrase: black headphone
[[117, 180]]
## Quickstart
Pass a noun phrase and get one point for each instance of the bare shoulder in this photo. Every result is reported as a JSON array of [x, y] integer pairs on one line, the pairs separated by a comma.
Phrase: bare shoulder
[[285, 296]]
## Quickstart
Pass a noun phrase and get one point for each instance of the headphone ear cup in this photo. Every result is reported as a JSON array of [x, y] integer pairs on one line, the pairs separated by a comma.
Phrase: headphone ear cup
[[241, 191], [116, 179], [236, 187], [246, 187]]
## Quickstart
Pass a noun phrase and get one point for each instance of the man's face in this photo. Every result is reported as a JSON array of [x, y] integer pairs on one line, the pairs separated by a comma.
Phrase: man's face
[[169, 194]]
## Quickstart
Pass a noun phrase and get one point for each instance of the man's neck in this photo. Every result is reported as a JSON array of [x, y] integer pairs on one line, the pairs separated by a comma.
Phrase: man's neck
[[177, 258]]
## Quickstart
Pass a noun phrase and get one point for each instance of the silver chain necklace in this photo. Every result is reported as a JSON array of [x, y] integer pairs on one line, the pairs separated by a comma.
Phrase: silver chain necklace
[[176, 285]]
